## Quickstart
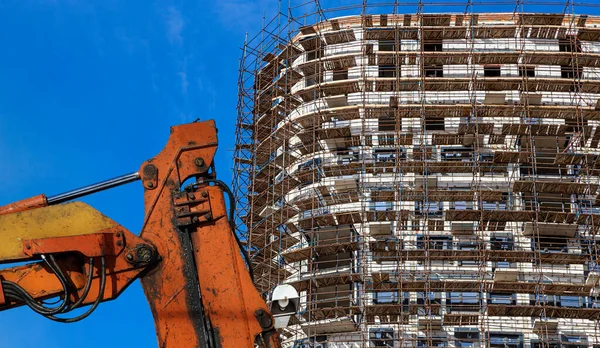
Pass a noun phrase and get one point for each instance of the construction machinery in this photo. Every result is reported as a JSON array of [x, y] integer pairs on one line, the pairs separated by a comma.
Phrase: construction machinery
[[192, 265]]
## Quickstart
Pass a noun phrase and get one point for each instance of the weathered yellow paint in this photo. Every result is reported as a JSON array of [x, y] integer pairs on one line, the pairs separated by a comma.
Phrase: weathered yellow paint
[[68, 219]]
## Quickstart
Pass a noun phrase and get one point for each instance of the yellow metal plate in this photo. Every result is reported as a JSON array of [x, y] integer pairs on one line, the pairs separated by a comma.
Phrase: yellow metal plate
[[68, 219]]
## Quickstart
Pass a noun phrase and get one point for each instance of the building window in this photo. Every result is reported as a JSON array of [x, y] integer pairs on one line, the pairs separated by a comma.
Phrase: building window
[[544, 344], [434, 71], [493, 205], [391, 297], [486, 157], [570, 72], [382, 337], [506, 340], [432, 209], [385, 297], [527, 169], [468, 246], [388, 45], [384, 155], [502, 243], [432, 297], [434, 242], [381, 206], [554, 244], [542, 299], [461, 205], [434, 124], [528, 71], [339, 75], [387, 124], [314, 79], [347, 156], [316, 53], [332, 262], [466, 337], [501, 264], [491, 71], [574, 341], [502, 299], [569, 45], [558, 301], [458, 153], [462, 301], [387, 71], [433, 46], [573, 301], [311, 342], [432, 342], [429, 303]]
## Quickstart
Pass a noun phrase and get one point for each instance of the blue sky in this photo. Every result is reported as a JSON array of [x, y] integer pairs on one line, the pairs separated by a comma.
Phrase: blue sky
[[88, 90]]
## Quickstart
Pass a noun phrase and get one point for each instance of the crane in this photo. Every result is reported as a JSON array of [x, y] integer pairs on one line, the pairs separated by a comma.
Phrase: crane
[[195, 272]]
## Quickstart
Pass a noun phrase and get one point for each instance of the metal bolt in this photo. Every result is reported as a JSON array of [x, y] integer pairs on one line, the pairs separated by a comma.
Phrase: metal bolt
[[199, 162], [194, 219], [118, 234], [28, 247], [266, 322], [192, 196], [264, 319], [150, 170], [129, 257], [119, 243], [144, 254], [204, 194], [208, 216]]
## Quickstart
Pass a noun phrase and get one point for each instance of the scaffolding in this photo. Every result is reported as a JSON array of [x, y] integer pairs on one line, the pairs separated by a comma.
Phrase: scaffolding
[[425, 179]]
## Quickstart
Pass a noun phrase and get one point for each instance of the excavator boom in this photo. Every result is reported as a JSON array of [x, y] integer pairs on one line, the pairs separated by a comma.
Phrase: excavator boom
[[187, 256]]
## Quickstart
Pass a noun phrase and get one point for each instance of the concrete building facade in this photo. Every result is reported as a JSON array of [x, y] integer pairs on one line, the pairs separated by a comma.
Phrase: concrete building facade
[[427, 180]]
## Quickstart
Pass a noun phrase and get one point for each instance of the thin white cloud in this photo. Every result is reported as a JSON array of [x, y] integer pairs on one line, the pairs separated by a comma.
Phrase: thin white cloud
[[184, 82], [175, 24], [185, 117], [183, 75], [207, 90]]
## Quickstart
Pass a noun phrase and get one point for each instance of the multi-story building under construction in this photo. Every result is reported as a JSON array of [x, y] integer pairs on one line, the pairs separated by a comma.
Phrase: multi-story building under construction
[[425, 180]]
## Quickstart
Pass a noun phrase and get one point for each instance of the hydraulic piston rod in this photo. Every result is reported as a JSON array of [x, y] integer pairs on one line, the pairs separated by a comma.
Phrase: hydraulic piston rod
[[41, 200], [97, 187]]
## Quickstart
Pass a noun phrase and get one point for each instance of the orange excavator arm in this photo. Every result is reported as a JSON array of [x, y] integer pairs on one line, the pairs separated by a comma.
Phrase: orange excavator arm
[[187, 254]]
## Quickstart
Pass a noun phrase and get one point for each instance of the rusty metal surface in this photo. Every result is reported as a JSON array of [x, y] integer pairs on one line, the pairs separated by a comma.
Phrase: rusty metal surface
[[38, 201], [200, 293], [229, 296], [41, 283], [90, 245], [73, 232], [70, 219], [172, 286], [191, 269]]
